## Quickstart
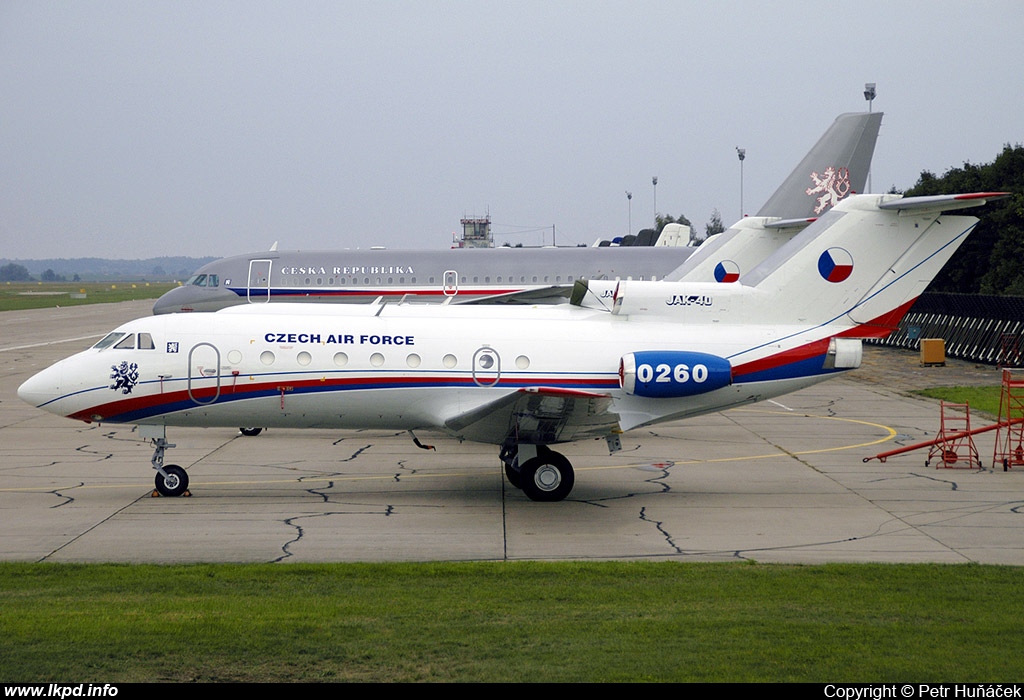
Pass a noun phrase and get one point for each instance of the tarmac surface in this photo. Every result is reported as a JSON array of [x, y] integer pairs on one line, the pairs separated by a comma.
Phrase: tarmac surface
[[781, 481]]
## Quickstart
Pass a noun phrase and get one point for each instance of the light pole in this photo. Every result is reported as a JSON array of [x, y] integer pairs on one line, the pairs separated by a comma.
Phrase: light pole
[[742, 153], [869, 95], [629, 206], [654, 181]]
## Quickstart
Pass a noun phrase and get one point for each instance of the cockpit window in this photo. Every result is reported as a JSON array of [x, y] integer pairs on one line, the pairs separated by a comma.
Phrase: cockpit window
[[212, 280], [126, 341], [108, 340]]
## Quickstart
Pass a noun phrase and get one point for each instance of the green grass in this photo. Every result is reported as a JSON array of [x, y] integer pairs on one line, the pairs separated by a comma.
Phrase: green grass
[[981, 399], [15, 296], [519, 621]]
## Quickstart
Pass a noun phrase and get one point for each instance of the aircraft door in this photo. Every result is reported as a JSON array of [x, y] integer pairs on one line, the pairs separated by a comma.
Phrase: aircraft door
[[204, 374], [451, 283], [259, 281], [486, 367]]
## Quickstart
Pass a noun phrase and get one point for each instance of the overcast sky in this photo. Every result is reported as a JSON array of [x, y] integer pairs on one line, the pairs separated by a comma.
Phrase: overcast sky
[[148, 128]]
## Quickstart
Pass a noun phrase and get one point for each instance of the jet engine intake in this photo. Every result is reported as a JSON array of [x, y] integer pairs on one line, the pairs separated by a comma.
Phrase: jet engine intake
[[672, 374]]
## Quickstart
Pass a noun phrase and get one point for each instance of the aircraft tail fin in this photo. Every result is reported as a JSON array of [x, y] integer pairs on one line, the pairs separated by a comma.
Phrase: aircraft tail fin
[[834, 168], [863, 264]]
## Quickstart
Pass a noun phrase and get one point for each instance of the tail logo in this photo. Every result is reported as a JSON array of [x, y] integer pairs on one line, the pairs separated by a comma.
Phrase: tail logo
[[832, 185], [835, 265], [727, 271]]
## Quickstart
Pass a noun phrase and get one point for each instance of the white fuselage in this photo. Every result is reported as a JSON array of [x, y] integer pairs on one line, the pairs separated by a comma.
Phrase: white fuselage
[[391, 366]]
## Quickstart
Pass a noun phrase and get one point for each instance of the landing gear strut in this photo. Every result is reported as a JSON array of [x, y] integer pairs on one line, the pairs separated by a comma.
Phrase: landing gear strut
[[171, 480], [545, 476]]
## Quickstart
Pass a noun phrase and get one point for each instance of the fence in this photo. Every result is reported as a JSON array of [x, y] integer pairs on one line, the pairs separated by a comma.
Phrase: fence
[[985, 329]]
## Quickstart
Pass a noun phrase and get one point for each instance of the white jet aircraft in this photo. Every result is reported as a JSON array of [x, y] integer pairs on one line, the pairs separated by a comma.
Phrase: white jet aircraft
[[523, 377]]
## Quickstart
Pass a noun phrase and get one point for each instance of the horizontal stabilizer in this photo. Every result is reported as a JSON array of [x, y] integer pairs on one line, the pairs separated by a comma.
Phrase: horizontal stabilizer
[[943, 202], [791, 223]]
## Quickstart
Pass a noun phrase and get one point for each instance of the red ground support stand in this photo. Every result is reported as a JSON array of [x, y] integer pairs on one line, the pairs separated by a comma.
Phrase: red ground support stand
[[1009, 449], [954, 446]]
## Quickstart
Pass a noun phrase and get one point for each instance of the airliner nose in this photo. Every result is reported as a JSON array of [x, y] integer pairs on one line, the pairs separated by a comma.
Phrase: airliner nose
[[42, 388], [192, 298]]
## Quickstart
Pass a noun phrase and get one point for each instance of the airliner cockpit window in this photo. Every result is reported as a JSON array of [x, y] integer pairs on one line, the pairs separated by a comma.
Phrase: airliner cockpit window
[[146, 341], [127, 343], [198, 280], [108, 340], [213, 280]]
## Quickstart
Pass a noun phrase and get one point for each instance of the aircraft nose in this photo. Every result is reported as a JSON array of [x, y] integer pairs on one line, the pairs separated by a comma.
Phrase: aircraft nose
[[42, 389], [192, 298]]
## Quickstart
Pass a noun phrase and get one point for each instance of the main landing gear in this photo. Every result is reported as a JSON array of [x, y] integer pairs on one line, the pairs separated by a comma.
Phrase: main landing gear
[[541, 473], [171, 480]]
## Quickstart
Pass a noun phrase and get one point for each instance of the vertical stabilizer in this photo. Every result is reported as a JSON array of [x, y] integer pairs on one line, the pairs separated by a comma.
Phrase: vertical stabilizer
[[861, 264], [837, 166], [834, 168]]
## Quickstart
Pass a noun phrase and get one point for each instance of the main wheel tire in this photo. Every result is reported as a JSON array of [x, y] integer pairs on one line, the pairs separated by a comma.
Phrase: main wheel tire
[[174, 484], [548, 477], [514, 476], [250, 432]]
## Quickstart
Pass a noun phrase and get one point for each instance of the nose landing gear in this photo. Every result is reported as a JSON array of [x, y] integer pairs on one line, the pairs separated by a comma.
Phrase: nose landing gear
[[171, 480]]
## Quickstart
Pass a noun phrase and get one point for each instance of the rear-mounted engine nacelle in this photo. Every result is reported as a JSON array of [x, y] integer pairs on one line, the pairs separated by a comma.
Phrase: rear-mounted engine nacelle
[[671, 374]]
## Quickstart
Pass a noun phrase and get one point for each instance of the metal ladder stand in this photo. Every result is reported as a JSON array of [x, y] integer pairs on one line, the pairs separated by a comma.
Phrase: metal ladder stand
[[1009, 449], [954, 445]]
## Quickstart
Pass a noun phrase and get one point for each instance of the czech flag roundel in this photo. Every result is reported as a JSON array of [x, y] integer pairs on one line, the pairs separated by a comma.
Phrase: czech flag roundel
[[835, 265], [727, 271]]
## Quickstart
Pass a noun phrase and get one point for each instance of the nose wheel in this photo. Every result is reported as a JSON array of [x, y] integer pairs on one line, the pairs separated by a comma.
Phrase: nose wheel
[[171, 480]]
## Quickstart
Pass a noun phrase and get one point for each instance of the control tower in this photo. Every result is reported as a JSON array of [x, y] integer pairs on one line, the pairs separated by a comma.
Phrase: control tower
[[476, 233]]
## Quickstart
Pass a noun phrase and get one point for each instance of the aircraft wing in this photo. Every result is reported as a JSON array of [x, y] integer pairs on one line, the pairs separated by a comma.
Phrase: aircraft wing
[[554, 294], [537, 415], [943, 202]]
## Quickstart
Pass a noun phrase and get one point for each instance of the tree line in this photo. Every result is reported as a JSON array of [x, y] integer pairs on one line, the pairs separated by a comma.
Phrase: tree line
[[991, 260]]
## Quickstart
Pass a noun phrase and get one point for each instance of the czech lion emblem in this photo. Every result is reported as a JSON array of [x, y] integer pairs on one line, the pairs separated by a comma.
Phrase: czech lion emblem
[[833, 185], [125, 377]]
